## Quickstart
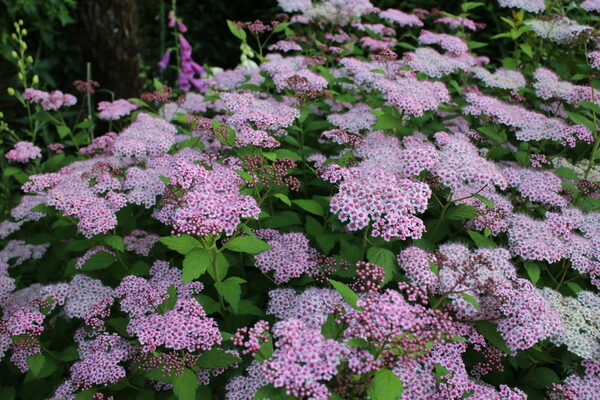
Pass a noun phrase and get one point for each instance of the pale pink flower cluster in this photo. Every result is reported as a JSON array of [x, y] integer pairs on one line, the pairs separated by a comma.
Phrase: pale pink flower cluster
[[400, 18], [549, 86], [290, 256], [560, 30], [590, 5], [146, 136], [534, 6], [455, 22], [501, 78], [23, 152], [210, 202], [436, 65], [528, 125], [452, 44], [255, 120], [117, 109], [49, 101]]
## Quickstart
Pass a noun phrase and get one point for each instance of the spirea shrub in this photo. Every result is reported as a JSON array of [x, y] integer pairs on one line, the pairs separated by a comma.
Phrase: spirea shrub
[[372, 205]]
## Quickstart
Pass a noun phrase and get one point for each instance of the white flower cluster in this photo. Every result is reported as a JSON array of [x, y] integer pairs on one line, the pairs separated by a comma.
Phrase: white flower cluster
[[581, 320]]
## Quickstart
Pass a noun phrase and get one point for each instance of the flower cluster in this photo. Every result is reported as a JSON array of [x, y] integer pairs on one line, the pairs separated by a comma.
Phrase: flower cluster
[[23, 152]]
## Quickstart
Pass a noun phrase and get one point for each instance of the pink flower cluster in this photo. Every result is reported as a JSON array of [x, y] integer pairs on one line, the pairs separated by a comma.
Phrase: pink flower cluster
[[146, 136], [375, 196], [548, 86], [23, 152], [117, 109], [290, 256], [204, 202], [452, 44], [528, 125], [49, 101]]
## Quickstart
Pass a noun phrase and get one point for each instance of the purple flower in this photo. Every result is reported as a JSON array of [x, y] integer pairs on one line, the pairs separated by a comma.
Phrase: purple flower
[[164, 61]]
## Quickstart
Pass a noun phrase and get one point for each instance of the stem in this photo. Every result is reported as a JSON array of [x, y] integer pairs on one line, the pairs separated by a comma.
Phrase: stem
[[363, 246], [88, 70]]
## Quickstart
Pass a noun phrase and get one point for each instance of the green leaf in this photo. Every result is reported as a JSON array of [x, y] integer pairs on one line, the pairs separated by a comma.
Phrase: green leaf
[[491, 133], [471, 300], [471, 5], [347, 294], [231, 290], [387, 121], [286, 200], [590, 106], [195, 264], [311, 206], [487, 202], [523, 158], [247, 244], [170, 301], [99, 260], [540, 378], [581, 120], [566, 172], [527, 50], [533, 271], [86, 394], [247, 307], [441, 372], [385, 386], [10, 171], [385, 259], [222, 266], [215, 358], [116, 242], [36, 363], [236, 30], [63, 131], [490, 332], [461, 211], [185, 385], [281, 27], [181, 244], [210, 305], [272, 393], [481, 241], [331, 329]]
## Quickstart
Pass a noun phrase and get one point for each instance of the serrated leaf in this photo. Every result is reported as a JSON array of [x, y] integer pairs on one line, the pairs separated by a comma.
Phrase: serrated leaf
[[385, 386], [247, 244], [311, 206], [487, 202], [170, 301], [481, 241], [186, 385], [490, 332], [347, 294], [236, 30], [99, 260], [181, 244], [533, 271], [36, 363], [385, 259], [216, 358], [231, 290], [471, 300], [63, 131], [581, 120], [540, 378], [387, 121], [461, 211], [286, 200], [566, 172], [116, 242], [590, 106], [195, 264]]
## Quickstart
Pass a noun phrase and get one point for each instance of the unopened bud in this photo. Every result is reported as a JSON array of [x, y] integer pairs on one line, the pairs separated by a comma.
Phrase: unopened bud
[[21, 22], [14, 54], [24, 45], [29, 59], [24, 32], [11, 91], [35, 80], [14, 36], [20, 76]]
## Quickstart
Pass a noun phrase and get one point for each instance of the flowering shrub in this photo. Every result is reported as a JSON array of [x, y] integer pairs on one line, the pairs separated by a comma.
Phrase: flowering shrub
[[365, 208]]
